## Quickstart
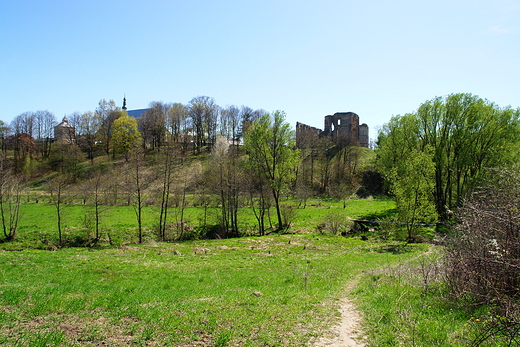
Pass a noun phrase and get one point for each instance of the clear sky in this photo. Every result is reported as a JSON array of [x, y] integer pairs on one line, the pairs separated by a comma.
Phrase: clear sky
[[377, 58]]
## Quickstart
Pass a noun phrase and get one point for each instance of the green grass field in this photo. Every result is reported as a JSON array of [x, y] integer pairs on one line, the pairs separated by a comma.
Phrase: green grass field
[[38, 225], [275, 290], [278, 290]]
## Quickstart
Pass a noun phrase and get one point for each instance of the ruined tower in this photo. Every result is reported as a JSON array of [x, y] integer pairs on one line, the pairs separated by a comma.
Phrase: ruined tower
[[342, 127]]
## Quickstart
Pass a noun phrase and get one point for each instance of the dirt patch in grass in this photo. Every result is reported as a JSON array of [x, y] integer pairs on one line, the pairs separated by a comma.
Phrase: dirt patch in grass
[[78, 331]]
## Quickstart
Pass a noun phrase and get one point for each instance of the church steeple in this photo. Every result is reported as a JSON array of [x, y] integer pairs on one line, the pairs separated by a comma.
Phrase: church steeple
[[124, 103]]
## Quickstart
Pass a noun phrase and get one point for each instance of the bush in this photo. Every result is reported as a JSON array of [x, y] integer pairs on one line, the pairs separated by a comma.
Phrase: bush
[[483, 256], [335, 222], [288, 215]]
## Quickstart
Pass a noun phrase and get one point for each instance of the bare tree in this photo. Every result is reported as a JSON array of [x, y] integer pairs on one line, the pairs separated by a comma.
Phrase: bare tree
[[186, 176], [203, 112], [167, 176], [248, 116], [87, 126], [22, 141], [4, 132], [260, 200], [225, 177], [211, 121], [152, 124], [345, 173], [57, 187], [139, 180], [230, 123], [11, 191], [106, 113], [177, 122], [44, 124], [95, 191], [483, 256], [24, 124]]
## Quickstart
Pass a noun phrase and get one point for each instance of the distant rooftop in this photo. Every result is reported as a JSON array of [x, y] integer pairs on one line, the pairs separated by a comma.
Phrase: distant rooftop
[[137, 113]]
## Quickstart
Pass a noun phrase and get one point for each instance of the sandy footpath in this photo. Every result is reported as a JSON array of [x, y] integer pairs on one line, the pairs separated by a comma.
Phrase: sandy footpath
[[348, 333]]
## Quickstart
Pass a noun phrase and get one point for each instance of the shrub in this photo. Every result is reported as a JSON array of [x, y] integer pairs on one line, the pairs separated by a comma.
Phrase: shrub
[[483, 256], [335, 222], [288, 215]]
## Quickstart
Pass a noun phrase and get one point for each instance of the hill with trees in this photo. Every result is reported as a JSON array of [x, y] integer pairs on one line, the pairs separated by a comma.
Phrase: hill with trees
[[451, 167]]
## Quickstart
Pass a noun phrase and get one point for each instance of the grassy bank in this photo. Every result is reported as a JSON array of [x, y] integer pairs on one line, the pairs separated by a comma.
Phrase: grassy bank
[[410, 305], [269, 291]]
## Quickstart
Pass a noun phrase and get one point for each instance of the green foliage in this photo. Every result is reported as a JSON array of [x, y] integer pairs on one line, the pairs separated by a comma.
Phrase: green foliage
[[335, 222], [412, 183], [272, 157], [466, 134], [125, 134], [64, 157]]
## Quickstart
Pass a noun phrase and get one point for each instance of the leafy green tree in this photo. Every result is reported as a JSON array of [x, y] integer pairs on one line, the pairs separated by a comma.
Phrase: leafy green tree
[[272, 155], [466, 133], [125, 135], [412, 184], [65, 156], [396, 140]]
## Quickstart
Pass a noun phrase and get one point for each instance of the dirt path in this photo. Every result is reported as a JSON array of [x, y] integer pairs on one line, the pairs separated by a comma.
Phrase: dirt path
[[348, 333]]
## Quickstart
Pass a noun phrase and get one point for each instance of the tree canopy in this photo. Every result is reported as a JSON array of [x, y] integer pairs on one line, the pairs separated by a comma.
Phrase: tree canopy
[[272, 154], [125, 134], [466, 134]]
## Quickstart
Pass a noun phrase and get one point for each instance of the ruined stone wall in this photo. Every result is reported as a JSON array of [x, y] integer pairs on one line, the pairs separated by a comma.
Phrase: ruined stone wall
[[342, 127], [306, 135], [364, 138]]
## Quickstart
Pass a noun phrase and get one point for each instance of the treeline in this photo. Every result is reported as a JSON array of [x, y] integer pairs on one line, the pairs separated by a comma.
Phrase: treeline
[[195, 125], [173, 156], [456, 159], [440, 153], [429, 160]]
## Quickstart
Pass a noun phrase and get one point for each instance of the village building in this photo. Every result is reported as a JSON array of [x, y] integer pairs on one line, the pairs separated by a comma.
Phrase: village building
[[64, 132]]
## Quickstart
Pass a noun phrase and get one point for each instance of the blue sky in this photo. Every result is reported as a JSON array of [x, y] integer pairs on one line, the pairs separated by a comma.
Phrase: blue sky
[[309, 58]]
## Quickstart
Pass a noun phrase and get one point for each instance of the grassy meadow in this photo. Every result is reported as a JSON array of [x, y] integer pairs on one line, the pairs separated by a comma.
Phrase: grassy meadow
[[278, 290], [38, 225], [275, 290]]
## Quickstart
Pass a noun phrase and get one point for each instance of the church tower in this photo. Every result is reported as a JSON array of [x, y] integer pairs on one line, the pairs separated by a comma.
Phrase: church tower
[[124, 103], [65, 132]]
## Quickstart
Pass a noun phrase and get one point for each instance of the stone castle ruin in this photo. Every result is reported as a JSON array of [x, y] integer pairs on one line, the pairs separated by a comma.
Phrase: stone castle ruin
[[343, 128]]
